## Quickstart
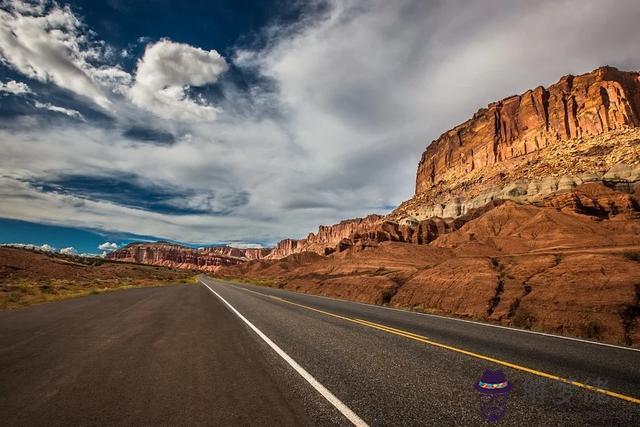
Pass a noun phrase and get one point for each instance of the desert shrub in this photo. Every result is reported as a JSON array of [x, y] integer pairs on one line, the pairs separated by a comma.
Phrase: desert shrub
[[47, 288], [189, 280], [523, 318], [592, 330]]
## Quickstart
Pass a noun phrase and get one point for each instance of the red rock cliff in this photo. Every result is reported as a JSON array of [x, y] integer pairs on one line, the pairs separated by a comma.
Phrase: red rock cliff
[[327, 237], [587, 105], [285, 248], [526, 147], [176, 256], [248, 253]]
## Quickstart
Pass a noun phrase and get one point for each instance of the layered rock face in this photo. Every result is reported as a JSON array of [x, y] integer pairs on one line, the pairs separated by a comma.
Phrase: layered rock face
[[285, 248], [327, 238], [583, 106], [581, 129], [366, 232], [525, 148], [522, 185], [597, 201], [569, 265], [248, 253], [363, 232], [528, 215], [176, 256]]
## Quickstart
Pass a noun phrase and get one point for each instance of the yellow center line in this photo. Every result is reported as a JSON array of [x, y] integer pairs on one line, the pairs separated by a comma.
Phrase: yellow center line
[[425, 340]]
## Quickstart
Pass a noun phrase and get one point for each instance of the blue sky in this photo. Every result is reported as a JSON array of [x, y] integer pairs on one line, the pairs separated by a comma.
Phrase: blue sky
[[83, 240], [246, 122]]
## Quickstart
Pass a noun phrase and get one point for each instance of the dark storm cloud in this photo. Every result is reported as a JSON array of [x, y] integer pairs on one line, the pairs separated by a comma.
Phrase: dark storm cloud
[[127, 190], [145, 134]]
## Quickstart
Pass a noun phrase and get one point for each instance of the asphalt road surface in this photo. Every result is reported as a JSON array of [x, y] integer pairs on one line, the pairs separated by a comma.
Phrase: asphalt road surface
[[227, 354]]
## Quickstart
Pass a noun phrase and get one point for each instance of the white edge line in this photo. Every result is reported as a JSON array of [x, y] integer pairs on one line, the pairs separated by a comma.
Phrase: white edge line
[[619, 347], [337, 403]]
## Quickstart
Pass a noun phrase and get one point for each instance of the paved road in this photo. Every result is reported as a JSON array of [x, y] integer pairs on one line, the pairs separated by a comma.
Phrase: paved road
[[181, 356]]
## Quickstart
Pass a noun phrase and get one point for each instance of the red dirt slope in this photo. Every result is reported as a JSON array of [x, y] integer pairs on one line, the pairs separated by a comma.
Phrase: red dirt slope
[[541, 267]]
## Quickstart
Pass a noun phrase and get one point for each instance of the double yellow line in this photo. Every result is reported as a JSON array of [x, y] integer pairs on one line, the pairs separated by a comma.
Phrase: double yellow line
[[425, 340]]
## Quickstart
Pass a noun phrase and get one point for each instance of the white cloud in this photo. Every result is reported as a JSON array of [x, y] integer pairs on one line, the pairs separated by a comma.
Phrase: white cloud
[[245, 245], [352, 99], [67, 111], [45, 247], [36, 7], [22, 201], [113, 77], [164, 75], [69, 251], [90, 255], [15, 88], [47, 42], [108, 247]]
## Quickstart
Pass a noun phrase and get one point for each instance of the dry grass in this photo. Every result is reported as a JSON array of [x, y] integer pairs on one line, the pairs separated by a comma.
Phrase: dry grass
[[28, 277], [248, 280], [28, 293]]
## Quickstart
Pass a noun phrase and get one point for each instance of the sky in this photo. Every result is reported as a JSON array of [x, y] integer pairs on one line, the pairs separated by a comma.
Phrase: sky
[[246, 122]]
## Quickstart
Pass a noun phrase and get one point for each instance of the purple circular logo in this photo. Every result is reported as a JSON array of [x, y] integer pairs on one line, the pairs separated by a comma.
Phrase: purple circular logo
[[493, 391]]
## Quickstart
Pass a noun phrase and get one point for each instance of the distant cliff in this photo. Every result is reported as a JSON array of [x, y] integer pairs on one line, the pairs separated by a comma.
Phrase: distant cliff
[[248, 253], [177, 256], [328, 236]]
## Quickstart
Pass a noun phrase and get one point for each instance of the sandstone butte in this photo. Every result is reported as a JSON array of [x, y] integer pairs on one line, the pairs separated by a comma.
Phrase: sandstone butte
[[527, 214]]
